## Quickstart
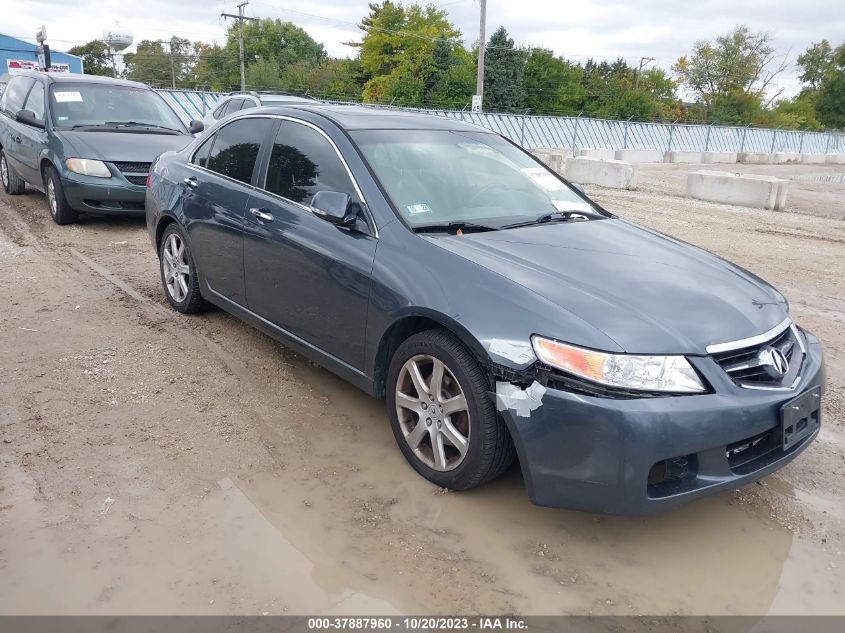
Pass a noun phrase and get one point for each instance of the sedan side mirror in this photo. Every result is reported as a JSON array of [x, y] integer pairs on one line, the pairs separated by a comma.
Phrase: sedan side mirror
[[195, 127], [27, 117], [335, 207]]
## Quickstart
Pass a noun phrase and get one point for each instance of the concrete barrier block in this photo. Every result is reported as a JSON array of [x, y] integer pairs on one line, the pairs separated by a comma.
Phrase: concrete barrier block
[[676, 156], [813, 159], [754, 158], [639, 155], [835, 159], [552, 157], [589, 152], [781, 158], [615, 174], [718, 157], [747, 190]]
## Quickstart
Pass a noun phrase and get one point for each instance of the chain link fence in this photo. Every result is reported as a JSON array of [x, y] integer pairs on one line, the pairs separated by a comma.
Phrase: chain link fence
[[571, 132]]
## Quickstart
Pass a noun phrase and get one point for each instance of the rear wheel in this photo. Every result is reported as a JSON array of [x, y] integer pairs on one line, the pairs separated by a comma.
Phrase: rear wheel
[[60, 210], [442, 416], [12, 183], [178, 273]]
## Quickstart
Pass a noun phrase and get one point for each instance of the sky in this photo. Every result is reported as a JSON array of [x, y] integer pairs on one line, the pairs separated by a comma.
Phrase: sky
[[602, 29]]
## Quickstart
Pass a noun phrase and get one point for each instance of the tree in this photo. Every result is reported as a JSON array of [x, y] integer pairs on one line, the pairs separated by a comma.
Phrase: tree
[[95, 58], [275, 41], [830, 102], [815, 63], [738, 62], [149, 64], [504, 68], [411, 55], [551, 83]]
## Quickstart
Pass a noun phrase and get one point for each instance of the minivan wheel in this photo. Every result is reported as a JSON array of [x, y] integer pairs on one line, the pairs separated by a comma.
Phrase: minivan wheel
[[12, 183], [60, 210], [442, 417], [178, 273]]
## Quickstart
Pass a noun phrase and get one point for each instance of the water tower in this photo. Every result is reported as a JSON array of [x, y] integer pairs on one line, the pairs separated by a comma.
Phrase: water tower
[[117, 39]]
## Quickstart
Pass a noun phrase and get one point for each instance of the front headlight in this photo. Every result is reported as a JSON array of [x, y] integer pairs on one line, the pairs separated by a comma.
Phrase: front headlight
[[88, 167], [672, 374]]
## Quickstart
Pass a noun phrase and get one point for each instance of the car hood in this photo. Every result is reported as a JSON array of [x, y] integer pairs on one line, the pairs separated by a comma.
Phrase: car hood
[[646, 291], [122, 146]]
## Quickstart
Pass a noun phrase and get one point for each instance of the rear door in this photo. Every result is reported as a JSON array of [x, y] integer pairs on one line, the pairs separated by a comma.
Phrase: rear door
[[216, 188], [307, 276], [13, 100]]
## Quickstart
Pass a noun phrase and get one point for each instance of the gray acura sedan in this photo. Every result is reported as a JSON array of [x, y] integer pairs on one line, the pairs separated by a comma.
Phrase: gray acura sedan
[[500, 312]]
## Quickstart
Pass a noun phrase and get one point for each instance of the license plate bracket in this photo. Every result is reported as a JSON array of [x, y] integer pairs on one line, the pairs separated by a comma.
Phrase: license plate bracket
[[800, 417]]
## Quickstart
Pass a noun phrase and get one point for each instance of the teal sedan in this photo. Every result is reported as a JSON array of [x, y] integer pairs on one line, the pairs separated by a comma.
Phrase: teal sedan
[[86, 141]]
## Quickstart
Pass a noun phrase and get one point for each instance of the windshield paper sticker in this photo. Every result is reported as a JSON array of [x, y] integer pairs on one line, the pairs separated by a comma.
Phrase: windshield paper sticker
[[64, 97], [567, 205], [415, 209], [543, 178]]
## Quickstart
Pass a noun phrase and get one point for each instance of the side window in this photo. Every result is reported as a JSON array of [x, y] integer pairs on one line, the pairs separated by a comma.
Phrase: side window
[[201, 155], [35, 101], [15, 94], [304, 162], [236, 146], [248, 103], [233, 106], [218, 111]]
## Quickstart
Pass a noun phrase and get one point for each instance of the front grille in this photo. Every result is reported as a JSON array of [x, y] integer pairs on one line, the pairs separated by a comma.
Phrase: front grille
[[136, 173], [752, 367], [133, 168]]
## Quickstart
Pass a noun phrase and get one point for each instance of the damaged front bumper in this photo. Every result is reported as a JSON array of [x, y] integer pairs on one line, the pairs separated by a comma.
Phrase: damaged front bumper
[[643, 455]]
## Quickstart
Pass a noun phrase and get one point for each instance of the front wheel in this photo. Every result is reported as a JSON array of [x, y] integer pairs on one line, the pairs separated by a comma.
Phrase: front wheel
[[442, 417], [178, 273], [60, 209]]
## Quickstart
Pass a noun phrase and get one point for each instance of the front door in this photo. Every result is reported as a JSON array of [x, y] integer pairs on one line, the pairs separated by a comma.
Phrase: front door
[[304, 275]]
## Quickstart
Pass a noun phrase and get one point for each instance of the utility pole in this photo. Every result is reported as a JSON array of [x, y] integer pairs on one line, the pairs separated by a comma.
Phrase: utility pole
[[643, 60], [240, 18], [482, 42]]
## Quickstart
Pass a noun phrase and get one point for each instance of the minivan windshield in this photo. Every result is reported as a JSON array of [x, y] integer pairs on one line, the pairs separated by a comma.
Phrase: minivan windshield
[[111, 107], [442, 178]]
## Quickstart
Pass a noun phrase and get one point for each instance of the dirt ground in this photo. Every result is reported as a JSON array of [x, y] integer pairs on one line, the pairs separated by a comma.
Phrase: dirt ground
[[152, 463]]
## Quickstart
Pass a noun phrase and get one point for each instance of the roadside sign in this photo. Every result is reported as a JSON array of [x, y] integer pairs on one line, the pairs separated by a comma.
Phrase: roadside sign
[[41, 34], [476, 103]]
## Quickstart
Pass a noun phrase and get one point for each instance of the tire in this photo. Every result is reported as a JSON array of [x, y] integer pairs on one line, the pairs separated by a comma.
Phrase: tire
[[13, 184], [178, 273], [488, 451], [60, 210]]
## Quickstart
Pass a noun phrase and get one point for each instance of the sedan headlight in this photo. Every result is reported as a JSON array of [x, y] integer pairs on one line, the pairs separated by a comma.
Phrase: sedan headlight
[[672, 374], [88, 167]]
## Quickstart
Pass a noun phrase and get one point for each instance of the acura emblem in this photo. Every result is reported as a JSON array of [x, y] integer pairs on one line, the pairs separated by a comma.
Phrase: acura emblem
[[773, 361]]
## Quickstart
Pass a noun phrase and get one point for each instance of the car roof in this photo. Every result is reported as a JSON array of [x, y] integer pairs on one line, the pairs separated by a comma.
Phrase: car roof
[[355, 117], [80, 78]]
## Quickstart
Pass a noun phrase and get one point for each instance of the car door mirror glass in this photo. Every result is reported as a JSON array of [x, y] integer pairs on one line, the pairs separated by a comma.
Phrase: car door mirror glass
[[27, 117], [335, 207], [195, 126]]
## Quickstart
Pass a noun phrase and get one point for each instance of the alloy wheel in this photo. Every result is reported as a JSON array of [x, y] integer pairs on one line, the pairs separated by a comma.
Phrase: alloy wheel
[[176, 269], [51, 197], [433, 412], [4, 172]]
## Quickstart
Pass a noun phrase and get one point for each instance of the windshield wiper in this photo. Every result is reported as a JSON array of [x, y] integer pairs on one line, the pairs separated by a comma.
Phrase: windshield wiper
[[139, 124], [556, 216], [454, 227]]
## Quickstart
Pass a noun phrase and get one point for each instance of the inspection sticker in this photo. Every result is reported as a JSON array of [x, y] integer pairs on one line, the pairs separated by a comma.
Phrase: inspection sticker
[[543, 178], [415, 209], [64, 97]]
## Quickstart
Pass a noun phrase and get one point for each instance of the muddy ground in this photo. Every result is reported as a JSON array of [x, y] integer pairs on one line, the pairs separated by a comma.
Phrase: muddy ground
[[157, 463]]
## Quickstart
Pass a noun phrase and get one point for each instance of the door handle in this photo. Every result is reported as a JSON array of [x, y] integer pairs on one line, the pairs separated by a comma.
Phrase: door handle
[[191, 181], [261, 215], [16, 139]]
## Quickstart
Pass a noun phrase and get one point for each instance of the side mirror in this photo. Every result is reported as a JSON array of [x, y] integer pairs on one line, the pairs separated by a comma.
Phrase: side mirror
[[335, 207], [27, 117], [195, 127], [578, 186]]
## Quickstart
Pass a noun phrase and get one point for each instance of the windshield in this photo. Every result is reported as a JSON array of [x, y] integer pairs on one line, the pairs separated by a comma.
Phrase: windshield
[[110, 106], [441, 177]]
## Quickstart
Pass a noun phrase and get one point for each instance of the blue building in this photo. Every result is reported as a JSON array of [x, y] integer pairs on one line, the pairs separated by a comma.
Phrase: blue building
[[16, 54]]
